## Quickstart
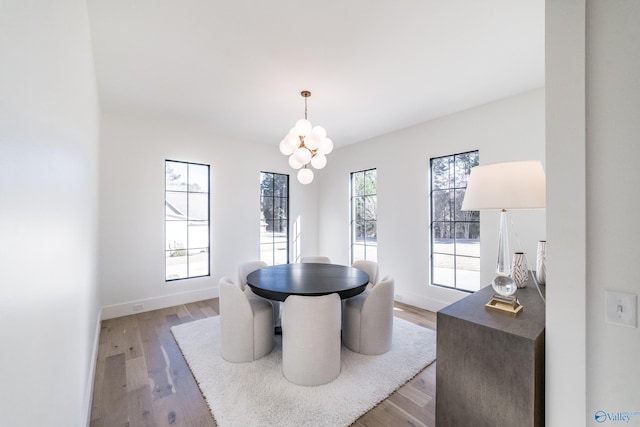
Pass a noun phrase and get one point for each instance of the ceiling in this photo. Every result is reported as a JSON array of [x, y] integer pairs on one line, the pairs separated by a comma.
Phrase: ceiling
[[373, 66]]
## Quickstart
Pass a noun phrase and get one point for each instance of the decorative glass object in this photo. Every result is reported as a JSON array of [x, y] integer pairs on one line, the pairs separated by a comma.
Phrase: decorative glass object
[[541, 260], [520, 270], [503, 284]]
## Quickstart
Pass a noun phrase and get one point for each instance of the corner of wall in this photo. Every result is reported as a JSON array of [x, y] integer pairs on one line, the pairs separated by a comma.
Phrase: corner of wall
[[91, 375]]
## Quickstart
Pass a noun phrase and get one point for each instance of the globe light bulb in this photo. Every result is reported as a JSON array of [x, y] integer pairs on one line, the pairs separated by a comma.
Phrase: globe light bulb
[[312, 141], [320, 131], [305, 176], [293, 141], [326, 146], [319, 161], [303, 127], [302, 155], [284, 148], [294, 163]]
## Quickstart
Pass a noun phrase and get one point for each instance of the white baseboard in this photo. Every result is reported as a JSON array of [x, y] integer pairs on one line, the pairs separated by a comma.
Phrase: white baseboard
[[156, 303], [420, 301], [88, 398]]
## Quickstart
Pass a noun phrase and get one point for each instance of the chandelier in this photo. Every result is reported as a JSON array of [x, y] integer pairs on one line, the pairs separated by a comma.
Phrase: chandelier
[[306, 145]]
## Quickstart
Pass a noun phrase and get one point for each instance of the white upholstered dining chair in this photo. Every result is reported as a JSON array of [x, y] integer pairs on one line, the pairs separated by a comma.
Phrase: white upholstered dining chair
[[311, 339], [369, 267], [246, 324], [243, 271], [316, 259], [367, 319]]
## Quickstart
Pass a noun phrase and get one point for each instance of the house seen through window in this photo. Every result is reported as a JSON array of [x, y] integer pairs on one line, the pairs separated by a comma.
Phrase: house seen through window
[[455, 234], [186, 220]]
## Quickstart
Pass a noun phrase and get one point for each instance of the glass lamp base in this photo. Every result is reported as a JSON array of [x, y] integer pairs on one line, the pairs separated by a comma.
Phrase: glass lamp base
[[504, 285], [504, 300]]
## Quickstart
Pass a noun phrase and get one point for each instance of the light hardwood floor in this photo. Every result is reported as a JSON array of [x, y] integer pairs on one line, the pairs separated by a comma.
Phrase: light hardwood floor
[[142, 378]]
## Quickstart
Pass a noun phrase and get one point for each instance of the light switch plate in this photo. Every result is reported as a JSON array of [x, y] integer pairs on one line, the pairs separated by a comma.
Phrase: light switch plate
[[621, 308]]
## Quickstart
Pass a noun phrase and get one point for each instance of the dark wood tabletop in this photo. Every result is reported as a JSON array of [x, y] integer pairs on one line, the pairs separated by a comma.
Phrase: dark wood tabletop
[[307, 279]]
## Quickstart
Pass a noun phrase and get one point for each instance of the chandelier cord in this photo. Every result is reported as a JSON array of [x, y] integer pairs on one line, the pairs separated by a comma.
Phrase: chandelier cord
[[305, 108]]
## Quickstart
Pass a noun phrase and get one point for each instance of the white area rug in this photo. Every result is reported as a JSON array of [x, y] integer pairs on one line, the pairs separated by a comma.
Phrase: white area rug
[[257, 394]]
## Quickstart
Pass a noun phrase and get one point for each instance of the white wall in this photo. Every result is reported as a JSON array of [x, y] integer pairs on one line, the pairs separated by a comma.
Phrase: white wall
[[510, 129], [592, 129], [132, 157], [566, 220], [49, 305], [612, 153]]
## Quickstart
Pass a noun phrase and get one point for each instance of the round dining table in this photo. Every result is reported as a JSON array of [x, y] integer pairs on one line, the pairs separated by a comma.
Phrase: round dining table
[[277, 282]]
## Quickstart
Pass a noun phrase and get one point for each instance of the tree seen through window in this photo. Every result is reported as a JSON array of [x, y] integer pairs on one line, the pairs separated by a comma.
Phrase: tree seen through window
[[364, 216], [455, 234]]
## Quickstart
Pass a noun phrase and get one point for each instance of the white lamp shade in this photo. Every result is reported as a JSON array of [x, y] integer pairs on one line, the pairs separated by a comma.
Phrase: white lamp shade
[[305, 176], [294, 163], [319, 161], [508, 185]]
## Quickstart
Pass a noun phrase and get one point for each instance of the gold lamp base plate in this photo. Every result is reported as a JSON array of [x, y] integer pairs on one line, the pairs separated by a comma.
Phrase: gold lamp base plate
[[504, 305]]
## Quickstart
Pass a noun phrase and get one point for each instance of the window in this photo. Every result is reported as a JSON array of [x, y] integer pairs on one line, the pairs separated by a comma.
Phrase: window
[[364, 207], [455, 235], [186, 226], [274, 218]]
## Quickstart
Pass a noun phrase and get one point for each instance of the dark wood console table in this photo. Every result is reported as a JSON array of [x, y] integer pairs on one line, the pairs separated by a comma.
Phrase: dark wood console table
[[490, 365]]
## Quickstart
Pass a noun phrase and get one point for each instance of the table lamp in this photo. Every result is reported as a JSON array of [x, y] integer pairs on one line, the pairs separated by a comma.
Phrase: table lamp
[[505, 186]]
